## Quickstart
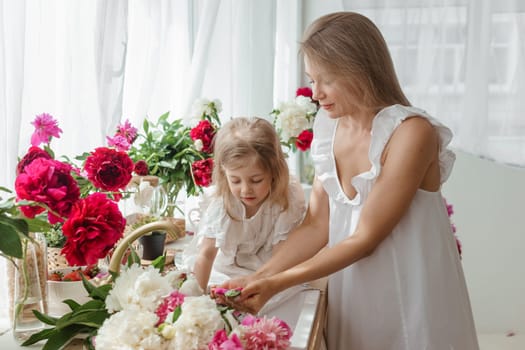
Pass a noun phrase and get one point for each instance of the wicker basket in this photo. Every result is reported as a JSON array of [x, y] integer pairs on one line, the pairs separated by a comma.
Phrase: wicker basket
[[55, 260]]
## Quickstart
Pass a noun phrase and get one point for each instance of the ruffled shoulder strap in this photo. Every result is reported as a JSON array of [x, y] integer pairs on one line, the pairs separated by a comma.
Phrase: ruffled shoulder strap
[[384, 124], [389, 118], [322, 155]]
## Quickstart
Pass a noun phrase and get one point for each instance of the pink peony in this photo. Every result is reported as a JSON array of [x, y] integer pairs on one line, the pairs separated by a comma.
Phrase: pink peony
[[49, 182], [221, 341], [32, 154], [304, 91], [304, 140], [202, 170], [45, 128], [92, 229], [267, 333], [205, 132], [128, 131], [109, 169], [141, 168], [119, 142]]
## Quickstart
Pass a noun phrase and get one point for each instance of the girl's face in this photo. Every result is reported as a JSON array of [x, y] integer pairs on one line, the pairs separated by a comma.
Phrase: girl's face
[[330, 91], [251, 184]]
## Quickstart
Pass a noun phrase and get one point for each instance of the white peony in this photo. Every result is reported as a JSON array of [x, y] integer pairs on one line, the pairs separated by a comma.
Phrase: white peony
[[144, 194], [198, 144], [122, 331], [191, 288], [197, 323], [138, 286]]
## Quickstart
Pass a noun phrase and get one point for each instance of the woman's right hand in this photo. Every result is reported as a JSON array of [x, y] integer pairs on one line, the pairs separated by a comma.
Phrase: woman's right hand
[[254, 296]]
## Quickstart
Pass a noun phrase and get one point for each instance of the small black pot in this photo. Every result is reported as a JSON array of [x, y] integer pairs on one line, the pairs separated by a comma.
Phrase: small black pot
[[153, 245]]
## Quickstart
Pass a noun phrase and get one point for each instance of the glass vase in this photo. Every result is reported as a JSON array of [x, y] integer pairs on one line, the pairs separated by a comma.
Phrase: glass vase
[[29, 288]]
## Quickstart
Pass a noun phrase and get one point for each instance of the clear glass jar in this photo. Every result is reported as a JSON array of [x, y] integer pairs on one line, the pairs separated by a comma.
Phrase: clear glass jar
[[28, 285]]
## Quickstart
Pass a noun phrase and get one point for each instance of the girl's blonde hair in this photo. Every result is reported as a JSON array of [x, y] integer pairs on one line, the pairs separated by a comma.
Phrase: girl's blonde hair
[[350, 45], [243, 138]]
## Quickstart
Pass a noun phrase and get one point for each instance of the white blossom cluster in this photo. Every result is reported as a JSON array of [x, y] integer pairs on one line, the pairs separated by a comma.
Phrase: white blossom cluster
[[135, 296], [200, 107], [291, 118]]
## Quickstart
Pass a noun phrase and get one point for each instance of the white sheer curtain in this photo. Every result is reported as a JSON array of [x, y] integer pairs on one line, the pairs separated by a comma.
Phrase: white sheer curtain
[[91, 64], [464, 62]]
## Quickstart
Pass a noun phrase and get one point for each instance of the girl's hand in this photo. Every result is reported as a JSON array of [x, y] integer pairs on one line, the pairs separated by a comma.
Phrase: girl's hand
[[235, 283]]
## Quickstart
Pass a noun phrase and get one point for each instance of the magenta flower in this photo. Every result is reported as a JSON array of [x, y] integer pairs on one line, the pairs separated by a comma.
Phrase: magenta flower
[[170, 303], [304, 91], [267, 333], [94, 225], [119, 142], [45, 128], [128, 131]]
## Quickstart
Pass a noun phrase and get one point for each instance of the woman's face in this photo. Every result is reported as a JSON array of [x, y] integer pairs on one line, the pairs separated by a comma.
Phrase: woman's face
[[330, 91], [251, 184]]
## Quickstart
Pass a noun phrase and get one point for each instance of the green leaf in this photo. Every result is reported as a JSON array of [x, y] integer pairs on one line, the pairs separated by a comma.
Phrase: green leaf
[[176, 313], [45, 318], [59, 338], [73, 305], [133, 257], [100, 293], [10, 244], [232, 293], [43, 334], [159, 262]]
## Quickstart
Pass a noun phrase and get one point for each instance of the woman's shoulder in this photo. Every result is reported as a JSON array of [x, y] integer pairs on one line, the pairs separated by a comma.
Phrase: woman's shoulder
[[408, 124]]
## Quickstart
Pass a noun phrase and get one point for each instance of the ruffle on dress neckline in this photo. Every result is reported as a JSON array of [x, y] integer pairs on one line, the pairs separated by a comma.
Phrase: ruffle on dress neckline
[[383, 125]]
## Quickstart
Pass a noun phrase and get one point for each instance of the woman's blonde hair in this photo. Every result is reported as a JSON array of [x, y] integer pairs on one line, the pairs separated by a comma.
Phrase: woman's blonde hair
[[350, 45], [243, 138]]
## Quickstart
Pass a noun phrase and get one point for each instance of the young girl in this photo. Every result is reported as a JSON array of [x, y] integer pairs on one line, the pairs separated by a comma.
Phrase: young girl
[[255, 203]]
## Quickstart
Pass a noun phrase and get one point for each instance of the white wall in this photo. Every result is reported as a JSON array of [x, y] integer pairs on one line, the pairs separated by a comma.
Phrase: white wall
[[489, 205]]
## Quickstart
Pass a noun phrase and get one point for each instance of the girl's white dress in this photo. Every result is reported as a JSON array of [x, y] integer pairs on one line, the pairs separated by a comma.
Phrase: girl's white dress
[[245, 245], [410, 293]]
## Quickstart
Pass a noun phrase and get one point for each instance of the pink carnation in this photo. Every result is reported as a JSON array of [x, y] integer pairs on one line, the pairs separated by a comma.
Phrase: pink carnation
[[267, 333]]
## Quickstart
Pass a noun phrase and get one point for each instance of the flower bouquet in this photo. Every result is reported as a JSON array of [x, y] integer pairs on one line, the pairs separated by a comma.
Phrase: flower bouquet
[[145, 308], [81, 199], [178, 152], [293, 120]]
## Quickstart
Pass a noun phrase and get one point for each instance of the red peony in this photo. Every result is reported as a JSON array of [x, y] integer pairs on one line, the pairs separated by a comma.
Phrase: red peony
[[205, 132], [304, 91], [202, 170], [141, 168], [32, 154], [109, 169], [304, 140], [92, 229], [49, 182]]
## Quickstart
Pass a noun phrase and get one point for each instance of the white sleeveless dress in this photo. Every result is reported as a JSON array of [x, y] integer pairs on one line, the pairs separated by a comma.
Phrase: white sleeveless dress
[[410, 294]]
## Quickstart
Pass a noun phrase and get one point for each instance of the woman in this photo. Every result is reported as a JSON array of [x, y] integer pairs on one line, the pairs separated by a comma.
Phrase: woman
[[395, 278]]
